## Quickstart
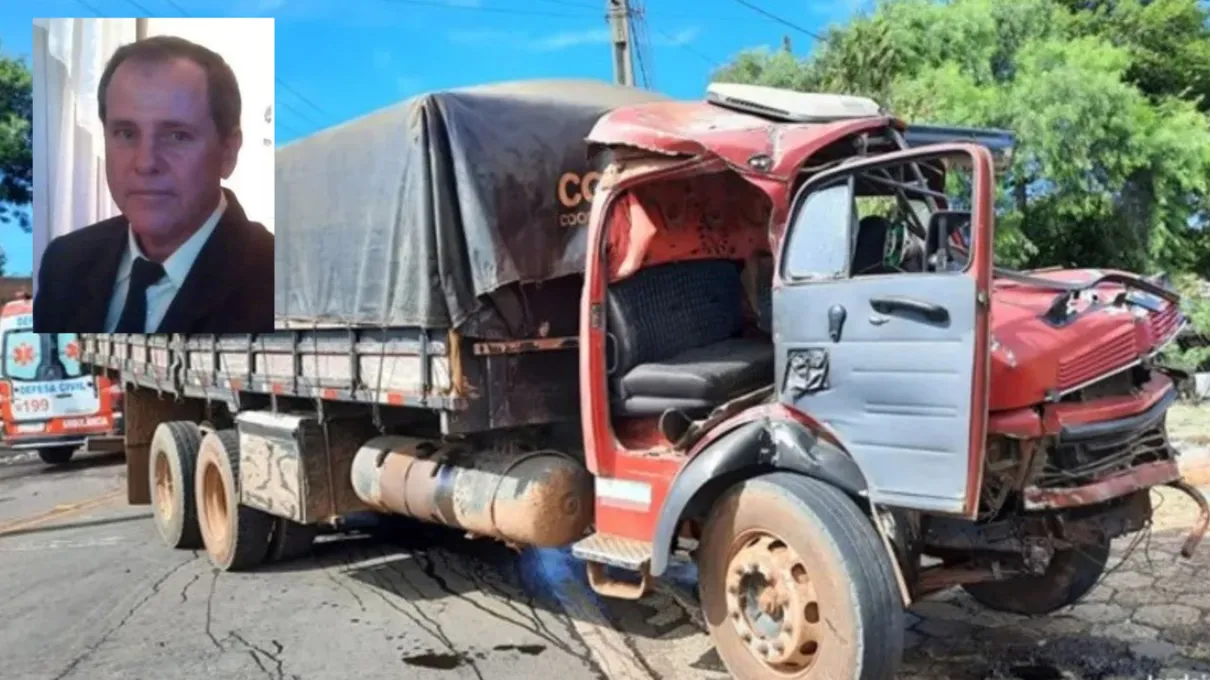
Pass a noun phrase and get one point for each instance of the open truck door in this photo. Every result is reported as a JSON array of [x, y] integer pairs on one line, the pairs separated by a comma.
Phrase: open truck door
[[888, 344]]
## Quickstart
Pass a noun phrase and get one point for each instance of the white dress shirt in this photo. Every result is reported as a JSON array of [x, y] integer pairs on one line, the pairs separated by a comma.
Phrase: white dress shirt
[[177, 266]]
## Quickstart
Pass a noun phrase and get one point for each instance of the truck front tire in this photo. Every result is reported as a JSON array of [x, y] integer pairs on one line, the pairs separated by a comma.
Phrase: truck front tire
[[1067, 579], [171, 463], [795, 583], [236, 536]]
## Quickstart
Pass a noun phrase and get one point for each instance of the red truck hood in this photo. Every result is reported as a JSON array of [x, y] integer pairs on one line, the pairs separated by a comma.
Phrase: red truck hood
[[1032, 356]]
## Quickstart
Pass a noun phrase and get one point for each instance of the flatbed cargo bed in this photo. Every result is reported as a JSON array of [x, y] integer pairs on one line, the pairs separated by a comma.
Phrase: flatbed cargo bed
[[473, 386]]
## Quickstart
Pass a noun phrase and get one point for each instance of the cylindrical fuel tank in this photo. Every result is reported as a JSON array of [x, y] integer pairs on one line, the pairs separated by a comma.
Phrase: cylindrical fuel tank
[[539, 498]]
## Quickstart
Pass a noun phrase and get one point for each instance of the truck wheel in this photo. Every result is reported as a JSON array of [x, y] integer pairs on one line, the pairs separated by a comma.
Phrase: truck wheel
[[171, 463], [290, 540], [58, 455], [795, 583], [236, 536], [1068, 578]]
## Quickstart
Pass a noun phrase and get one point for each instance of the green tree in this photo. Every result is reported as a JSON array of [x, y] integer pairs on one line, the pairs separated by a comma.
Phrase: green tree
[[1107, 171], [1168, 42], [16, 140]]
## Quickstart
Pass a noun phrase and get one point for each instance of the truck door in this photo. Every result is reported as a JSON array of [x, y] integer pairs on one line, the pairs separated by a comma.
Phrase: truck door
[[877, 336]]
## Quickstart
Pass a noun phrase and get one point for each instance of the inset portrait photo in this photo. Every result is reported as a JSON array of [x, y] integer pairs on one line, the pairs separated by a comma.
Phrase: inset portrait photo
[[153, 175]]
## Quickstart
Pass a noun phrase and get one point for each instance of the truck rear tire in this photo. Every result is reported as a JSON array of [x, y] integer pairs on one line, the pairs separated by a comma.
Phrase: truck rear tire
[[290, 540], [172, 463], [1067, 579], [795, 583], [236, 536], [57, 455]]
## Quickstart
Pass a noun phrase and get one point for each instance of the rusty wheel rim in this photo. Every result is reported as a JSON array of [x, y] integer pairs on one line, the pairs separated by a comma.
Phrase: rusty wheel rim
[[164, 492], [772, 603], [215, 513]]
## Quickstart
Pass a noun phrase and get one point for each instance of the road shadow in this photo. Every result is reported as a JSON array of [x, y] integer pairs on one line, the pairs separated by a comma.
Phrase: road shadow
[[416, 562], [1130, 625], [34, 467]]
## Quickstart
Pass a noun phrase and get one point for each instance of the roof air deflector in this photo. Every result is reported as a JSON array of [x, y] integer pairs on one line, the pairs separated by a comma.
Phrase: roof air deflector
[[790, 106]]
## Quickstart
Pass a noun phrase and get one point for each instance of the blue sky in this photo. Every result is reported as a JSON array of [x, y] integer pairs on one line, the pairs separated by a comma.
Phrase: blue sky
[[340, 59]]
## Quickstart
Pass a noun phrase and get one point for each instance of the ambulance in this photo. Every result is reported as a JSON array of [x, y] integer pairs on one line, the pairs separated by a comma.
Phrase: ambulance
[[47, 403]]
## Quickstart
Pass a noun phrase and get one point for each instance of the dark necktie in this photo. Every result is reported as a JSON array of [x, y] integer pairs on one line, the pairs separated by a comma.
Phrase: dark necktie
[[143, 275]]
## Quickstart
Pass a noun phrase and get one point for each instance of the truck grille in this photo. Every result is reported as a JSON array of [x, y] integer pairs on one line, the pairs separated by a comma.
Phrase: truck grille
[[1165, 323], [1097, 361], [1077, 463]]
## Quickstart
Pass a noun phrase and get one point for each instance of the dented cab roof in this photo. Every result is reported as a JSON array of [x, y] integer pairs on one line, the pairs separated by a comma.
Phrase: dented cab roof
[[697, 128]]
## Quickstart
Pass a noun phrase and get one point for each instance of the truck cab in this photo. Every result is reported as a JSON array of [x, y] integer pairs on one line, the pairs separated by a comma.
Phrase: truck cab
[[798, 353]]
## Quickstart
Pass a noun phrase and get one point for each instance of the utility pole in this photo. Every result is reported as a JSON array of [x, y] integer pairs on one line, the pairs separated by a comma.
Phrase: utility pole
[[140, 29], [618, 12]]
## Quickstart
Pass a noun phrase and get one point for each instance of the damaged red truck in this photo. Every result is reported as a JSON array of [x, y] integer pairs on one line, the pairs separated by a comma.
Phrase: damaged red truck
[[762, 332]]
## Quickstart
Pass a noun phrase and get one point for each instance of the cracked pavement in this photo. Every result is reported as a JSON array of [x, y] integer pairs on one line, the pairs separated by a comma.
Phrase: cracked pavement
[[92, 594]]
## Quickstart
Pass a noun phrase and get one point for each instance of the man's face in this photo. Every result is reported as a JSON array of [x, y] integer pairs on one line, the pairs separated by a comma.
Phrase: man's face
[[163, 154]]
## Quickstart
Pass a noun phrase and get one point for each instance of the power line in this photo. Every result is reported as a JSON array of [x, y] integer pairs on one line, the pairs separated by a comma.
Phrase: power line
[[676, 42], [301, 114], [585, 6], [638, 53], [476, 8], [779, 20], [178, 7], [648, 48], [89, 7], [639, 41], [700, 17], [289, 129], [301, 96], [671, 15], [566, 3], [146, 12]]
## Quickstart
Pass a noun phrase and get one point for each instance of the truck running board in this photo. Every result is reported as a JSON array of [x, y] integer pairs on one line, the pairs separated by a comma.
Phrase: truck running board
[[601, 551]]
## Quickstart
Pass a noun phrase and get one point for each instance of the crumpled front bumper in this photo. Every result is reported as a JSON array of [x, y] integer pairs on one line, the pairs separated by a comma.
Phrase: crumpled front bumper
[[1143, 432]]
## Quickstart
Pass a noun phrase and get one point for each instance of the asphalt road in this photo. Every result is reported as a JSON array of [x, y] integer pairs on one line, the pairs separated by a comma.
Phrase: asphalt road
[[87, 591]]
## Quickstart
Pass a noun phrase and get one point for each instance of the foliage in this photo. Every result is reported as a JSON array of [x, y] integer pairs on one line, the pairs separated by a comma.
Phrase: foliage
[[1194, 354], [1112, 165], [1168, 42], [1191, 354], [1191, 358], [16, 139], [1195, 302]]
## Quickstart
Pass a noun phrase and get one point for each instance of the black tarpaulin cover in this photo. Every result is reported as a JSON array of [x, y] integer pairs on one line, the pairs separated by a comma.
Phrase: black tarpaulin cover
[[405, 217]]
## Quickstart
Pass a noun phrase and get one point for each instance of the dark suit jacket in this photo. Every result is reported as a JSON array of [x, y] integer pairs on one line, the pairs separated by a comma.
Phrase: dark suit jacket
[[229, 289]]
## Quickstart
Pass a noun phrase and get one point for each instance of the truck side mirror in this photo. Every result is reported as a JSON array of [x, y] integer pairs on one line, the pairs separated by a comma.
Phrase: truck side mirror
[[943, 224]]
